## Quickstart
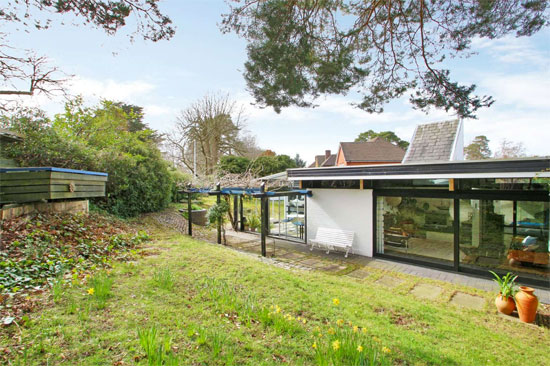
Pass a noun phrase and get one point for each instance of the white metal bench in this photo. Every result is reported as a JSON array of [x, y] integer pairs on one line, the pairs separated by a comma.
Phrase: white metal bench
[[330, 239]]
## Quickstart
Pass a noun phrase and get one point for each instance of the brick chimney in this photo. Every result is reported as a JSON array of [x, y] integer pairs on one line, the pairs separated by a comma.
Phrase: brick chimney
[[327, 154]]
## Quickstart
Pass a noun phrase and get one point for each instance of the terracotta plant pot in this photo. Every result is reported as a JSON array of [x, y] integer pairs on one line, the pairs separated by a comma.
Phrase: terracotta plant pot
[[527, 304], [505, 306]]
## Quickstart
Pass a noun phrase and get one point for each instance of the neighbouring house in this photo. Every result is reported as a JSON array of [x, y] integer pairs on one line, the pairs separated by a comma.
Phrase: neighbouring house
[[437, 210], [375, 151], [323, 160]]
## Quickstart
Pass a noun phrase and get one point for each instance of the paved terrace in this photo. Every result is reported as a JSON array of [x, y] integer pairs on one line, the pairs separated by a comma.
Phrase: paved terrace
[[299, 256]]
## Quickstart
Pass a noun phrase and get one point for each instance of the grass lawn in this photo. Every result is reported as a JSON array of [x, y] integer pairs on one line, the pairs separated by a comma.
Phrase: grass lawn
[[194, 303]]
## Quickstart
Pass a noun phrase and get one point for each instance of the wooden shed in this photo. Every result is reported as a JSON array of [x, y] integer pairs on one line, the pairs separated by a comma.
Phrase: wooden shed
[[47, 183]]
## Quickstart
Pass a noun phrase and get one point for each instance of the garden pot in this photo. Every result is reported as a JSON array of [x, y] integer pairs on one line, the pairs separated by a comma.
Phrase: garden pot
[[505, 306], [527, 304]]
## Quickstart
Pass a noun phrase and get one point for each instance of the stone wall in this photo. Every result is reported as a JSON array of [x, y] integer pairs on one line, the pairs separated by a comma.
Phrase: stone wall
[[8, 212]]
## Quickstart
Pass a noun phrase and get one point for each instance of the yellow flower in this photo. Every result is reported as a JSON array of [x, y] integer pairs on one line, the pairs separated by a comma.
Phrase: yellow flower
[[386, 350], [91, 291], [277, 309], [359, 348], [314, 345], [350, 323], [335, 301], [336, 345], [330, 331], [303, 321], [355, 329], [364, 330], [339, 322]]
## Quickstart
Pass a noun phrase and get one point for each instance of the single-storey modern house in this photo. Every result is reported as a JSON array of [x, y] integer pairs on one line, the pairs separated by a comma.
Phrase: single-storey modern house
[[466, 216]]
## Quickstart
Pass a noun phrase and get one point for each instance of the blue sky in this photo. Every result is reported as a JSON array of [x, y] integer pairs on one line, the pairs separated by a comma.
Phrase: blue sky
[[168, 76]]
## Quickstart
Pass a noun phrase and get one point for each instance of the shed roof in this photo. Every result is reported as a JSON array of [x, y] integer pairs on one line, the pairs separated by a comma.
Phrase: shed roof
[[377, 149]]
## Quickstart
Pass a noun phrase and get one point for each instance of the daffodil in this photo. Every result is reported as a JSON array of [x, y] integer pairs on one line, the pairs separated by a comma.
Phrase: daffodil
[[277, 309], [355, 329], [386, 350], [359, 348], [91, 291], [336, 345], [335, 301], [304, 321], [314, 345], [339, 322], [376, 339], [364, 330], [330, 331]]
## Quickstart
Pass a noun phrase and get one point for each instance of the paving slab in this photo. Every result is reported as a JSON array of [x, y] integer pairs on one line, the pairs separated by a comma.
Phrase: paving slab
[[293, 256], [312, 262], [468, 301], [359, 273], [332, 268], [389, 281], [425, 291]]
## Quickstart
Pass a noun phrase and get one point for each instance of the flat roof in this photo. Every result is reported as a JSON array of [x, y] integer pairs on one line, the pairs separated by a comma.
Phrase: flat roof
[[50, 169], [490, 168]]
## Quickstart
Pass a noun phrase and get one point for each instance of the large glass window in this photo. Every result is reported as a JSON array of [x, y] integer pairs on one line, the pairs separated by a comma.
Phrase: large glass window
[[505, 235], [287, 216], [416, 228]]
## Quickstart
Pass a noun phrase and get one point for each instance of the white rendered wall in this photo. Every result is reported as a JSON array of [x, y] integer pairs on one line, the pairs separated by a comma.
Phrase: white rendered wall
[[346, 209]]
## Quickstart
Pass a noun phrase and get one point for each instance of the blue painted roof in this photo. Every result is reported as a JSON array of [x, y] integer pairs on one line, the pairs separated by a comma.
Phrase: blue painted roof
[[246, 191], [51, 169]]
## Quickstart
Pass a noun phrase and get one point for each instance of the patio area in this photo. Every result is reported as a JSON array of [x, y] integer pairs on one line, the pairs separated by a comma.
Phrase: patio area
[[296, 255]]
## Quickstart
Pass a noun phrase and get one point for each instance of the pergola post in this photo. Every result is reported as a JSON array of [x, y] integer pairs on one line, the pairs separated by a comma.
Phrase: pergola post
[[241, 209], [189, 212], [235, 211], [218, 200], [263, 225]]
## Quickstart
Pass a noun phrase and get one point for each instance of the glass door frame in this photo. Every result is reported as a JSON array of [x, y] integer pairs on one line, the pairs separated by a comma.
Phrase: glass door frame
[[456, 196]]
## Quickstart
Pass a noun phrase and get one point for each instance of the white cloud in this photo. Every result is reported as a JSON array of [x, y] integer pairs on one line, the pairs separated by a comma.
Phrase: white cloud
[[521, 90], [512, 49], [109, 88]]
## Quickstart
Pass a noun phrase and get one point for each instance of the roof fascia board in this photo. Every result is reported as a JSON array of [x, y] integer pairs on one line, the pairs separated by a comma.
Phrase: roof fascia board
[[430, 176]]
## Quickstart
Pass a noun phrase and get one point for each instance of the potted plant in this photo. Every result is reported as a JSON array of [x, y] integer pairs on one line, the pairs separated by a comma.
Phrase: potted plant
[[217, 213], [254, 223], [505, 299]]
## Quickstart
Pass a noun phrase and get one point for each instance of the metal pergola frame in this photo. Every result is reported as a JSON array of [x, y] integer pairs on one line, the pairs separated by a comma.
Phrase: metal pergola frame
[[238, 194]]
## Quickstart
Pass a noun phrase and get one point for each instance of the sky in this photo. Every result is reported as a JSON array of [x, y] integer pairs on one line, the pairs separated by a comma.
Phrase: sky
[[168, 76]]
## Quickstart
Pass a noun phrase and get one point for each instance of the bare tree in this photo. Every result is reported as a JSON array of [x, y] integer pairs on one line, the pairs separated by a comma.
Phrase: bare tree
[[509, 149], [208, 129], [20, 67]]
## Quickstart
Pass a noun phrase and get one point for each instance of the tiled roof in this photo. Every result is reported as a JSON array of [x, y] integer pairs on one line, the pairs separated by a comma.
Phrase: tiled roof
[[319, 159], [433, 142], [331, 161], [375, 150]]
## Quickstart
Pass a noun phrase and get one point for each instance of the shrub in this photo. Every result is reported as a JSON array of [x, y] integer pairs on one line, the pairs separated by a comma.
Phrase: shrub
[[98, 139]]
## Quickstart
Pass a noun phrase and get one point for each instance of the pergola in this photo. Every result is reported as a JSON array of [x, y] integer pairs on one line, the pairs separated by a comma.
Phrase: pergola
[[238, 208]]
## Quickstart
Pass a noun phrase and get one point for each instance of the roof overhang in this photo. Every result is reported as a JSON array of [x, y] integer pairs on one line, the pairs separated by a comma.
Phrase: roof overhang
[[506, 168]]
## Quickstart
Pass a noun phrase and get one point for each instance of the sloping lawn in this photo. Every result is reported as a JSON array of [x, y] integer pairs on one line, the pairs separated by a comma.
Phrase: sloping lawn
[[195, 303]]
